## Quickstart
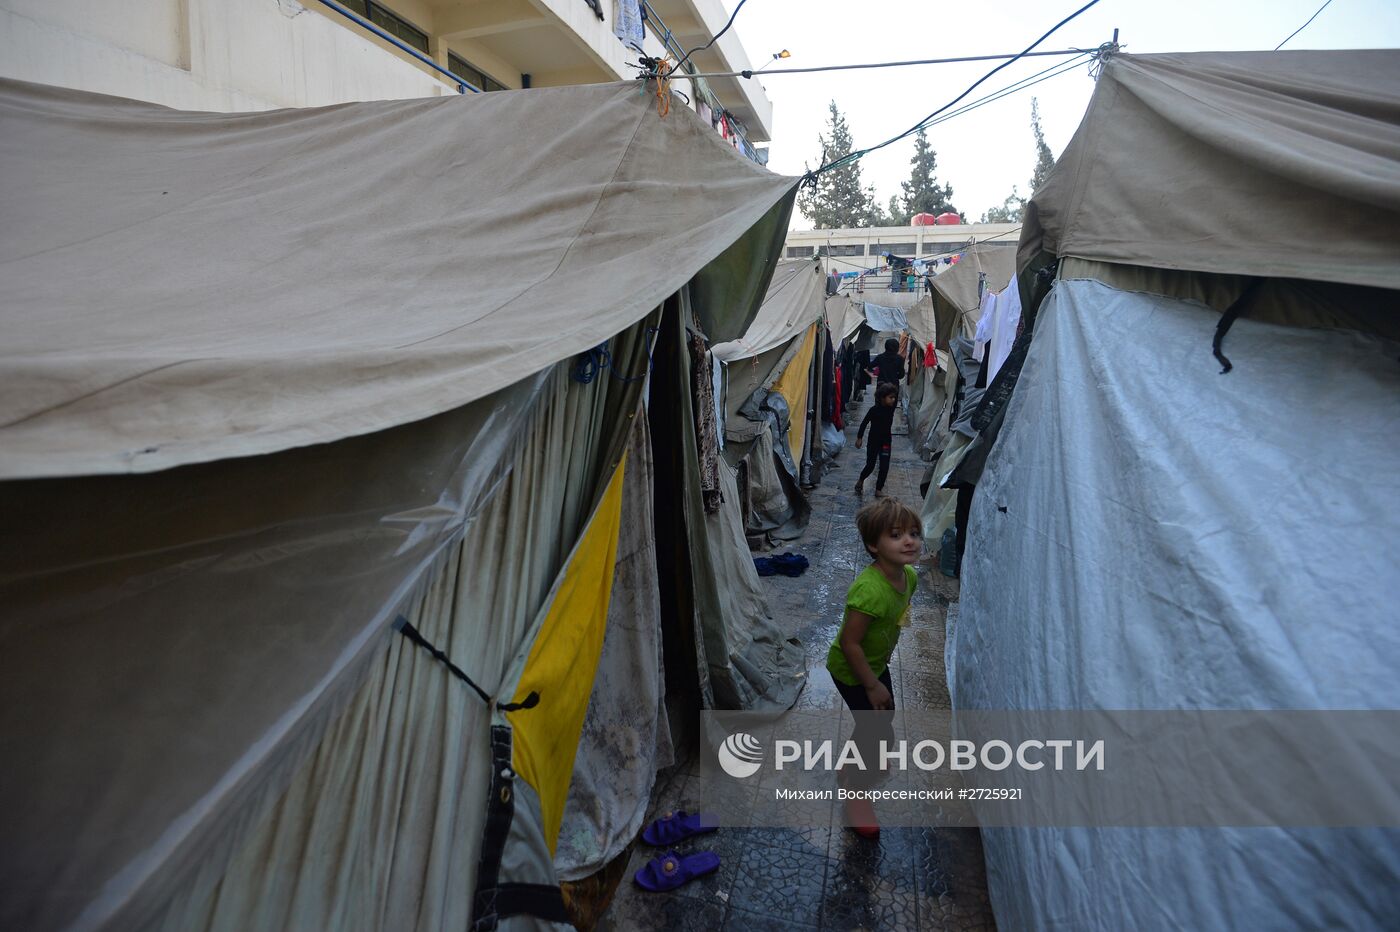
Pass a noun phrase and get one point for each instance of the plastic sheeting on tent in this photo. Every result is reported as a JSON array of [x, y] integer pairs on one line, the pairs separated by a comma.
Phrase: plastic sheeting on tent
[[886, 319], [212, 644], [1151, 533], [1247, 144], [226, 293], [1239, 559]]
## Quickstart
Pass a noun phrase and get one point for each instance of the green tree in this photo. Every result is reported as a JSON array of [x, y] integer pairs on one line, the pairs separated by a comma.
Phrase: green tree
[[1044, 161], [839, 199], [1009, 212], [922, 193], [1014, 206]]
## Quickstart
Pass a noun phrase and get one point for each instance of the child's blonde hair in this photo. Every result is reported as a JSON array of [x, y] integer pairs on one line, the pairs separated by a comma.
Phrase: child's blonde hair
[[884, 515]]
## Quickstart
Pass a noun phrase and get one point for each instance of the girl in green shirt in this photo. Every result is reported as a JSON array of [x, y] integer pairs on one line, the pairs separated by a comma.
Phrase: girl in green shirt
[[877, 608]]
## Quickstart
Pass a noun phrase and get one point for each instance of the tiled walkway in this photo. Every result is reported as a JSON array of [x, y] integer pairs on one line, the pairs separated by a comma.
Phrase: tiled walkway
[[830, 878]]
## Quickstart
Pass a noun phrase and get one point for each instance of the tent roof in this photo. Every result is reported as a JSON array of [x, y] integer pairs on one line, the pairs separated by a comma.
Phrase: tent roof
[[795, 300], [958, 285], [1280, 164], [186, 287]]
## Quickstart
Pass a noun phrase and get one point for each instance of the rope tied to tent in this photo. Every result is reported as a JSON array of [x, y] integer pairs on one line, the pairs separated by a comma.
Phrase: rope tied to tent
[[413, 634]]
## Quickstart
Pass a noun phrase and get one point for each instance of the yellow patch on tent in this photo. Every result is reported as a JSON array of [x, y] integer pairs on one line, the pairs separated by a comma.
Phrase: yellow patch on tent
[[564, 660], [793, 385]]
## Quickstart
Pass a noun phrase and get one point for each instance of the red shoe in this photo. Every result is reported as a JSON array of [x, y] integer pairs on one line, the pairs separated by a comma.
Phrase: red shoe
[[860, 816]]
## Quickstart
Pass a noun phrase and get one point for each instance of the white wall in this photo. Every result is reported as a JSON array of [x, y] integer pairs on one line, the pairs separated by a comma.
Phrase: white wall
[[223, 55]]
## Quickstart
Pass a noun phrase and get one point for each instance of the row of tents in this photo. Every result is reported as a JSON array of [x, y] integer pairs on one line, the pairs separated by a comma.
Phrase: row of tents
[[365, 552], [1180, 489]]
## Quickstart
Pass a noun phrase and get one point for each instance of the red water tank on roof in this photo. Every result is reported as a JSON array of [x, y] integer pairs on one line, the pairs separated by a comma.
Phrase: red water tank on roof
[[949, 219], [923, 220]]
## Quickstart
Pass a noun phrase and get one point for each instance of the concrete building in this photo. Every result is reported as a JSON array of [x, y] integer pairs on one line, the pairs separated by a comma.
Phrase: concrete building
[[852, 250], [240, 55]]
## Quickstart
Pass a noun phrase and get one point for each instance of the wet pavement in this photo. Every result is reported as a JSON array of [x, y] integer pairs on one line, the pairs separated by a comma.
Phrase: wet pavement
[[830, 878]]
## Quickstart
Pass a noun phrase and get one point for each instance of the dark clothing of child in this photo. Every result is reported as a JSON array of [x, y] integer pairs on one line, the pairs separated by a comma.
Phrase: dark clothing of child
[[873, 456], [891, 366], [871, 728], [880, 420]]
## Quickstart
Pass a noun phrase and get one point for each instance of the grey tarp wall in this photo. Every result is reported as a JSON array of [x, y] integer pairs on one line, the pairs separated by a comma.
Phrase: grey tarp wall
[[1149, 533], [211, 643], [1126, 554]]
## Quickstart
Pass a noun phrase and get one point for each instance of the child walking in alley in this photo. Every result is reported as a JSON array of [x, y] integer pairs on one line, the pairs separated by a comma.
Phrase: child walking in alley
[[877, 608], [880, 420]]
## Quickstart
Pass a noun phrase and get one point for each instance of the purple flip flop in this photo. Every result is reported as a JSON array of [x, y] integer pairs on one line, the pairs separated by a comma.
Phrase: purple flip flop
[[671, 870], [675, 826]]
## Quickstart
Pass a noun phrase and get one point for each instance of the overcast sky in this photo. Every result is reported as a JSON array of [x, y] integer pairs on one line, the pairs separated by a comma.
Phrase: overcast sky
[[983, 153]]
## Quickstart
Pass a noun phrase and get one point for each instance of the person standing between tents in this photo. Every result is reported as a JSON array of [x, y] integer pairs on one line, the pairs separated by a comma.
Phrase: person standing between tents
[[880, 420], [888, 366], [877, 610]]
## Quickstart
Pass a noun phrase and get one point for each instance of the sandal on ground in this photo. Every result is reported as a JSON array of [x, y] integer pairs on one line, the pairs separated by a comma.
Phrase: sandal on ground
[[674, 826], [671, 870]]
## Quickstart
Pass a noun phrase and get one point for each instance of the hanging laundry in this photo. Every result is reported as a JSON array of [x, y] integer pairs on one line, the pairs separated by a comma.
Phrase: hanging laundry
[[1004, 327], [930, 357], [984, 326], [706, 430], [705, 112], [627, 22]]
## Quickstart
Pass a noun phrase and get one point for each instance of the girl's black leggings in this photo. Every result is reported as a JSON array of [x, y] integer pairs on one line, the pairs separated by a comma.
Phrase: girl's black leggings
[[872, 454]]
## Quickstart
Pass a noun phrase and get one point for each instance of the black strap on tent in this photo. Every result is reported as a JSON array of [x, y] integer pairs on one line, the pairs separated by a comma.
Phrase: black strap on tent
[[1227, 320], [412, 633], [494, 900]]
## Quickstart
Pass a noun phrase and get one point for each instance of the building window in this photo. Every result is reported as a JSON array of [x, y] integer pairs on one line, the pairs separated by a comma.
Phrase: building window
[[471, 74], [899, 249], [856, 250], [391, 22], [799, 252], [939, 249]]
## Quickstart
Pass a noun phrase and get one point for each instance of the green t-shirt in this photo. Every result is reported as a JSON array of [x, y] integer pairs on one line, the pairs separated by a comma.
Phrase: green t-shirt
[[873, 594]]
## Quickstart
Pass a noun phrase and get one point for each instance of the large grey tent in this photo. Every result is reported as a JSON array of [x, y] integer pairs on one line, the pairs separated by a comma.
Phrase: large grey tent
[[275, 385], [1152, 532]]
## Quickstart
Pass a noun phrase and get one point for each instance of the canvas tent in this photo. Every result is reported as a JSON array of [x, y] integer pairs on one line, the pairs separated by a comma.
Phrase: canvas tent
[[773, 392], [291, 397], [950, 308], [1150, 532]]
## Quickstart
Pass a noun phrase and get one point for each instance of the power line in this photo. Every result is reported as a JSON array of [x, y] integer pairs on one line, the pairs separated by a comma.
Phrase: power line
[[1302, 27], [713, 39], [851, 157], [1053, 71], [749, 72]]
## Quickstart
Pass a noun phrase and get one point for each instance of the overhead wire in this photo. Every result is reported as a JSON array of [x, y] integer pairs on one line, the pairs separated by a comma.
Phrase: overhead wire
[[755, 72], [713, 39], [811, 176], [1304, 26]]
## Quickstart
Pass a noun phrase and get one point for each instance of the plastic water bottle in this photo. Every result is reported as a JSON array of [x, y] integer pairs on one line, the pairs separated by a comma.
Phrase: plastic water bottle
[[948, 554]]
